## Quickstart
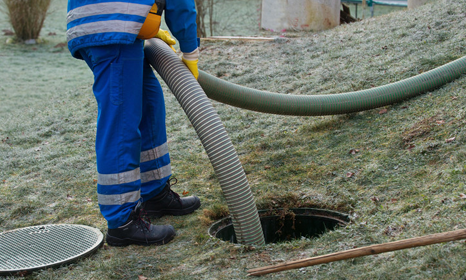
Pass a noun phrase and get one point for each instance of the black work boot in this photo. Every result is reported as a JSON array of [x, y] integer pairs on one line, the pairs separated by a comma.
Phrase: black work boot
[[169, 202], [139, 232]]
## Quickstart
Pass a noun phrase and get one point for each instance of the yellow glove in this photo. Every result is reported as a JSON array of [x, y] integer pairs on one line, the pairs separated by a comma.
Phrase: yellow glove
[[191, 59], [165, 36]]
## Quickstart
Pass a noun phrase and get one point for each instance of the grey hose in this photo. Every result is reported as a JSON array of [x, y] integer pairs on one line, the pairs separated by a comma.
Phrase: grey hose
[[214, 138], [217, 143], [329, 104]]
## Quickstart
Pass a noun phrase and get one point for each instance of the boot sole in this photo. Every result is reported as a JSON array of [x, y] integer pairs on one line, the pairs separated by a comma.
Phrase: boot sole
[[118, 242], [174, 212]]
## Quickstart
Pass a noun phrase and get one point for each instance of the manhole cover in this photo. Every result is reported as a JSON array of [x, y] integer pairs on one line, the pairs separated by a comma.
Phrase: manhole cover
[[282, 225], [38, 247]]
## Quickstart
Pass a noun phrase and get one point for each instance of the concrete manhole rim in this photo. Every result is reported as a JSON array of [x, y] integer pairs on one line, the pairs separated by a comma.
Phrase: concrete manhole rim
[[97, 240]]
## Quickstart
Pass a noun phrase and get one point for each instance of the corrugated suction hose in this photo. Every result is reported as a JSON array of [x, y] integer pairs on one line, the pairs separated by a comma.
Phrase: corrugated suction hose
[[214, 138], [330, 104]]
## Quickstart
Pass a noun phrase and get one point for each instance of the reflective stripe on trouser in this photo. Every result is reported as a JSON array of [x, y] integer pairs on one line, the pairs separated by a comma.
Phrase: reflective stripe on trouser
[[132, 157]]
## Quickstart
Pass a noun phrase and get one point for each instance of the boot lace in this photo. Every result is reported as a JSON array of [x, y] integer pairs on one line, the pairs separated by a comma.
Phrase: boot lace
[[170, 184], [142, 220]]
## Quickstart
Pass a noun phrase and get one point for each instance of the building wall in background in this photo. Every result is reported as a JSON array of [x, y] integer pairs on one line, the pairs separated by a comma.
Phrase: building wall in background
[[300, 14]]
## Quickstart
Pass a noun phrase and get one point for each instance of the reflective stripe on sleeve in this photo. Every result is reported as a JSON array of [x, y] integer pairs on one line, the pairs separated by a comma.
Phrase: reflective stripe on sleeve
[[156, 174], [108, 8], [119, 199], [103, 27], [119, 178], [154, 153]]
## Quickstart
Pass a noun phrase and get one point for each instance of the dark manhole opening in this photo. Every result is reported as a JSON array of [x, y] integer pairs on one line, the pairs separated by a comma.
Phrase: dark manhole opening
[[281, 225]]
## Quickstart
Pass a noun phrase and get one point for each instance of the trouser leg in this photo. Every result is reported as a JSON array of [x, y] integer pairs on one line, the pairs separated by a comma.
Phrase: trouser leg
[[155, 159], [118, 79]]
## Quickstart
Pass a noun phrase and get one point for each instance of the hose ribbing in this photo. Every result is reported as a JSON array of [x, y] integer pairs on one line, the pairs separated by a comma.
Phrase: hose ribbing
[[214, 138], [331, 104]]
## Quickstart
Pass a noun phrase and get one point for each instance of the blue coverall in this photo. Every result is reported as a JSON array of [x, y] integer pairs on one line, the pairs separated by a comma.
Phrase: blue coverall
[[133, 162]]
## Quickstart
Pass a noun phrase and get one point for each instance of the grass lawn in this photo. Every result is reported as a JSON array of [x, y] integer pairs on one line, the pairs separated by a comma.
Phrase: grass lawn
[[398, 172]]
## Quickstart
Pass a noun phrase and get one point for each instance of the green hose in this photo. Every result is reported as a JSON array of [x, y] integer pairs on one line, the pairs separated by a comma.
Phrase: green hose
[[216, 141], [331, 104]]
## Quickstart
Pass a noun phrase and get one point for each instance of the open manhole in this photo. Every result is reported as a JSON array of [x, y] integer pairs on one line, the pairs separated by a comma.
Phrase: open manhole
[[283, 225], [26, 249]]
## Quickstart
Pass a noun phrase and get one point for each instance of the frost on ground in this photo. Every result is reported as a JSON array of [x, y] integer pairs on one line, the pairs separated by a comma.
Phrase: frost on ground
[[399, 171]]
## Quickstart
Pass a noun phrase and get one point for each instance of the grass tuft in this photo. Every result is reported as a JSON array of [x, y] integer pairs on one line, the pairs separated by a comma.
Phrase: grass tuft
[[27, 17]]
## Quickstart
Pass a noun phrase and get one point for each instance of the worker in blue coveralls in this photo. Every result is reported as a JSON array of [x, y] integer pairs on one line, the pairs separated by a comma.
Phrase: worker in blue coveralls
[[133, 162]]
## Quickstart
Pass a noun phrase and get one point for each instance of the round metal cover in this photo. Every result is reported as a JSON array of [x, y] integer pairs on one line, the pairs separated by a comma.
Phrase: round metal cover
[[38, 247]]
